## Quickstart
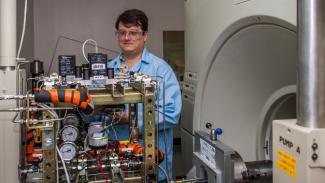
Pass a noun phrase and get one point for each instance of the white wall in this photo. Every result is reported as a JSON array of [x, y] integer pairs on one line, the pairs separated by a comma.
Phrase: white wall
[[83, 19]]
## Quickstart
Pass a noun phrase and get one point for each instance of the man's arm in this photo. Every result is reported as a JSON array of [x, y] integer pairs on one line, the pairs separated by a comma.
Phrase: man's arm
[[170, 97]]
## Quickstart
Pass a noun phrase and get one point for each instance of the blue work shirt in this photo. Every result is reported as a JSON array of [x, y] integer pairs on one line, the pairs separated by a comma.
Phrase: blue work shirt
[[154, 66]]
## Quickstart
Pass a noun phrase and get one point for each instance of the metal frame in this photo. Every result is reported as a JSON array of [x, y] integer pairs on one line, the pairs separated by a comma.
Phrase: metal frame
[[137, 92], [132, 93]]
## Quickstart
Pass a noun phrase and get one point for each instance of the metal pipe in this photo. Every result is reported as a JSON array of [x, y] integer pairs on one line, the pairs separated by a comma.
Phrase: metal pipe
[[311, 64], [193, 180], [20, 109], [258, 172], [125, 179], [15, 97], [8, 31]]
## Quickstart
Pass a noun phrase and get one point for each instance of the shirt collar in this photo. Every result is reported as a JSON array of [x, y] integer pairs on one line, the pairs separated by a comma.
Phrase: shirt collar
[[144, 56]]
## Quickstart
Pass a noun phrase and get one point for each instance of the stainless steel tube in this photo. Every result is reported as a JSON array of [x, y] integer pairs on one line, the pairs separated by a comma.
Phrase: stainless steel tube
[[311, 63]]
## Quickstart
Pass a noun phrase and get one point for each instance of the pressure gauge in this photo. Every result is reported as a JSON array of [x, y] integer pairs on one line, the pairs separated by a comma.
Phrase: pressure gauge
[[69, 133], [68, 151], [71, 119]]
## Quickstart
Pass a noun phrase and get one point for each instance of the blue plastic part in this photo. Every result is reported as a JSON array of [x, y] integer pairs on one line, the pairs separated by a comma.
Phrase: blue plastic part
[[218, 131]]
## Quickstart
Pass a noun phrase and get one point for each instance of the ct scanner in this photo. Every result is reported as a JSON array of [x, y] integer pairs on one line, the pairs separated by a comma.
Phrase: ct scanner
[[240, 72]]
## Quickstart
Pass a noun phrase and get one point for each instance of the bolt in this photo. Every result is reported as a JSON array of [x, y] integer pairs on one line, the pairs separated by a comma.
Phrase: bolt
[[314, 146], [208, 125], [49, 141], [314, 156], [213, 135]]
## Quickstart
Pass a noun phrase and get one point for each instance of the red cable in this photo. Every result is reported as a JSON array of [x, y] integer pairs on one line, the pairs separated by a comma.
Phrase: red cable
[[101, 168]]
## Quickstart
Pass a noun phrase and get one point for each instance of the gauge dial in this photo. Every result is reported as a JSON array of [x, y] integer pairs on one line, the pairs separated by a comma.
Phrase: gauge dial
[[71, 119], [68, 151], [69, 133]]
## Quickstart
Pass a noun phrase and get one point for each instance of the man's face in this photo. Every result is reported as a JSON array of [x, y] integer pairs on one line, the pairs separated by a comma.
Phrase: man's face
[[131, 38]]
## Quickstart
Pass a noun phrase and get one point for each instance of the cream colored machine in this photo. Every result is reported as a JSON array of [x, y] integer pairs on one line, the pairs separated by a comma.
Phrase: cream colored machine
[[298, 154], [241, 72], [247, 81]]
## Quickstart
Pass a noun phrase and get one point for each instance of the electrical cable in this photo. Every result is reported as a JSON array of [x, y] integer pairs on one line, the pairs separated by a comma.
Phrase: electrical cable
[[157, 104], [83, 168], [111, 125], [101, 168], [116, 122], [164, 171], [164, 120], [116, 138], [64, 166], [86, 143], [54, 115], [83, 48], [132, 128], [23, 31], [56, 160], [73, 40]]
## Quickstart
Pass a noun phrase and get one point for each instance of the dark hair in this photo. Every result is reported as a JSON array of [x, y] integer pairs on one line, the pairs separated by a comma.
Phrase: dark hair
[[133, 17]]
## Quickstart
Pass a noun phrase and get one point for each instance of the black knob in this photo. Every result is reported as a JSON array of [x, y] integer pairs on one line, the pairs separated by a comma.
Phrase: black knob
[[314, 156], [314, 146], [208, 125]]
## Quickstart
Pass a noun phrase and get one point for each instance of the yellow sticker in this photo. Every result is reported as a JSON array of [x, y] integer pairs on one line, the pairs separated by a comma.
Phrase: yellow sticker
[[286, 163], [124, 142]]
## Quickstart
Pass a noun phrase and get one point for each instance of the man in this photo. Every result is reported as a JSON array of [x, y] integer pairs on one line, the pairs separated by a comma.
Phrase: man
[[132, 32]]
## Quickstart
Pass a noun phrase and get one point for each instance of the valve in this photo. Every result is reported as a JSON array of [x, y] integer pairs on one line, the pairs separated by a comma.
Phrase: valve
[[217, 132], [214, 133]]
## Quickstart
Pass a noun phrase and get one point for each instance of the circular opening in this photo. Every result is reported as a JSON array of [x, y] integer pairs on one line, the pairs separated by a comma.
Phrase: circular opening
[[149, 134], [234, 86], [149, 113]]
